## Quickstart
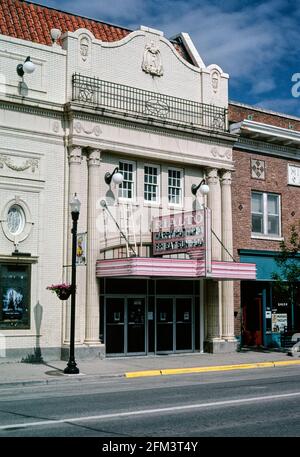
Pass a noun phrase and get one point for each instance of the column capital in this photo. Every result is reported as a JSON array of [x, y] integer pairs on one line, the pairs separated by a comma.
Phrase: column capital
[[75, 154], [212, 176], [94, 157], [226, 178]]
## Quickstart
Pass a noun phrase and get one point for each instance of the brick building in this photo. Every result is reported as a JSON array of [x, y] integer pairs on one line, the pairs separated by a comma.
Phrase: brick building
[[266, 202]]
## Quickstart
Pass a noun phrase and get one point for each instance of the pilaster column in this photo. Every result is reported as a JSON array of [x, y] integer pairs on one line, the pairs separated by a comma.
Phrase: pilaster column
[[92, 288], [212, 287], [227, 286], [214, 203], [212, 310], [75, 159]]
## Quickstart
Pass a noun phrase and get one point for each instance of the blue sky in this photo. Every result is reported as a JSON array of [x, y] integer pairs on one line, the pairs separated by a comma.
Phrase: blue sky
[[256, 42]]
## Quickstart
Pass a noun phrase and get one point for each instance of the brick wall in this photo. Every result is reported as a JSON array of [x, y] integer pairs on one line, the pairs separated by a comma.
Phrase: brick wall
[[242, 185], [237, 113], [275, 181]]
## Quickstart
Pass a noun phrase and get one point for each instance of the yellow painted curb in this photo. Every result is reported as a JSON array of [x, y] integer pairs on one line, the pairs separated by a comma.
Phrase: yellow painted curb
[[243, 366], [286, 362], [137, 374]]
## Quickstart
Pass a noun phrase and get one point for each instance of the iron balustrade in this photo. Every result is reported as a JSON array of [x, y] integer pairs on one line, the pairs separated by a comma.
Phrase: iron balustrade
[[135, 102]]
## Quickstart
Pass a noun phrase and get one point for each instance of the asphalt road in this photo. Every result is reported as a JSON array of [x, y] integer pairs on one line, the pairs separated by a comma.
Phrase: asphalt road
[[246, 403]]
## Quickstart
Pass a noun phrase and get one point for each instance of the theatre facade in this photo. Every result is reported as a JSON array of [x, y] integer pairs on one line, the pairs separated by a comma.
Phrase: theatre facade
[[136, 126]]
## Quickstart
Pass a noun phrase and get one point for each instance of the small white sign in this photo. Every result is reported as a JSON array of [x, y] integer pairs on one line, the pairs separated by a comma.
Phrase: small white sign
[[268, 314]]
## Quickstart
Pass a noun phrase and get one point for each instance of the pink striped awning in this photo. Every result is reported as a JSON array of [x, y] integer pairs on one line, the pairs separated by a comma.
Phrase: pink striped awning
[[173, 268]]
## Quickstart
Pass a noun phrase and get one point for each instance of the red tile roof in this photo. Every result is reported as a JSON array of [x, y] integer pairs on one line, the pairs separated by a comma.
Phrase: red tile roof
[[32, 22]]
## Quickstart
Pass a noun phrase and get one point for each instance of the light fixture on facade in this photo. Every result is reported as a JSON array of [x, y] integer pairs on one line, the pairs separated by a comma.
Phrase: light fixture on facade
[[26, 67], [115, 176], [203, 187]]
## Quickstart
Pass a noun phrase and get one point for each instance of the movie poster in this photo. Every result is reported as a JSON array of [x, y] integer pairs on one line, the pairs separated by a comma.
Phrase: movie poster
[[14, 296]]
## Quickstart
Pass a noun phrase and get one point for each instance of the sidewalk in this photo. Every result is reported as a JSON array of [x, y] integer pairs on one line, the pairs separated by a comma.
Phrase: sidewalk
[[13, 374]]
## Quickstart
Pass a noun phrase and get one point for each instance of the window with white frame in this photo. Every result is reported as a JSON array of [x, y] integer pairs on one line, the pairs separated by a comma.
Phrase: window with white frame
[[127, 188], [265, 211], [151, 183], [175, 186]]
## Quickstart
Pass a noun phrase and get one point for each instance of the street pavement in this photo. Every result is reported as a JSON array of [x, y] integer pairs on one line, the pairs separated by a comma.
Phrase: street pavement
[[158, 365]]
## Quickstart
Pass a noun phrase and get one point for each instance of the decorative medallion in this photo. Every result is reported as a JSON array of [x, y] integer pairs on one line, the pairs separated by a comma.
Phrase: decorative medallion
[[86, 93], [157, 108], [293, 175], [152, 60], [257, 169], [215, 80], [218, 122], [84, 49]]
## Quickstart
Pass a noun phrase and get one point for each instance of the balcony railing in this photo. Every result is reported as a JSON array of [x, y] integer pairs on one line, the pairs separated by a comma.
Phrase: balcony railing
[[144, 104]]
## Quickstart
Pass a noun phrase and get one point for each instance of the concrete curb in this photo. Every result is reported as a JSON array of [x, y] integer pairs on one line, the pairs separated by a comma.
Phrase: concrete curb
[[63, 379], [243, 366]]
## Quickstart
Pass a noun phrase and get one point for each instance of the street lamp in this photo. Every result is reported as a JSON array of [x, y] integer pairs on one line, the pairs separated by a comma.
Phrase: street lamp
[[71, 367]]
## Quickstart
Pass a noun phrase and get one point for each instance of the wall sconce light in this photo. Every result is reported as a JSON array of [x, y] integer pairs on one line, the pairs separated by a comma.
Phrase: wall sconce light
[[115, 176], [26, 67], [204, 189]]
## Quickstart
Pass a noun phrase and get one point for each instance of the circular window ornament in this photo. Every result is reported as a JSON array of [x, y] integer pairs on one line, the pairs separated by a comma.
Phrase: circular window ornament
[[15, 220]]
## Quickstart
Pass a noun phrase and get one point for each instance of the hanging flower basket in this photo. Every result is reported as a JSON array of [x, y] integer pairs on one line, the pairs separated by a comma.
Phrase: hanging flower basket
[[63, 291]]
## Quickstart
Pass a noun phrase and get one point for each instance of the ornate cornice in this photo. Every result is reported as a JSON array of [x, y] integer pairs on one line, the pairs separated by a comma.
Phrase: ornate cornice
[[268, 148], [52, 112], [76, 112]]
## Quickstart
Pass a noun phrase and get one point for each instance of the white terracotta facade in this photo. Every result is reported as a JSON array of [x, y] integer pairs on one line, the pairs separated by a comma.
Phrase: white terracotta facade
[[53, 146]]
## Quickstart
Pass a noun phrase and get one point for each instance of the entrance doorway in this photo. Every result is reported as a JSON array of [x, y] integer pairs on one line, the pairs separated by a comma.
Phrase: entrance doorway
[[149, 316], [125, 325], [174, 324]]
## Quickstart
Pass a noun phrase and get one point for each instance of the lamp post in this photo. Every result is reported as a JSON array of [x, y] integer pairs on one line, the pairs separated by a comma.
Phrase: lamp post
[[71, 367]]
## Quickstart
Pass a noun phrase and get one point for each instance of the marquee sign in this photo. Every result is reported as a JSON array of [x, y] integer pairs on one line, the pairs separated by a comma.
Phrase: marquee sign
[[185, 232]]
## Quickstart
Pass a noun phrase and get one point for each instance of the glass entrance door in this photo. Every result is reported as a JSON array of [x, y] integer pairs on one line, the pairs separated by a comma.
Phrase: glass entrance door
[[174, 324], [136, 325], [184, 329], [164, 325], [125, 330], [115, 331]]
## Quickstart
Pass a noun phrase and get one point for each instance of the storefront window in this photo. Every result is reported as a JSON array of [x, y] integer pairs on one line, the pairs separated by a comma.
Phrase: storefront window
[[14, 296]]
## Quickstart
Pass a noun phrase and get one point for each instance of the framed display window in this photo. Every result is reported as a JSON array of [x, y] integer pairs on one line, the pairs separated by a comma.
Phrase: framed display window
[[14, 296]]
